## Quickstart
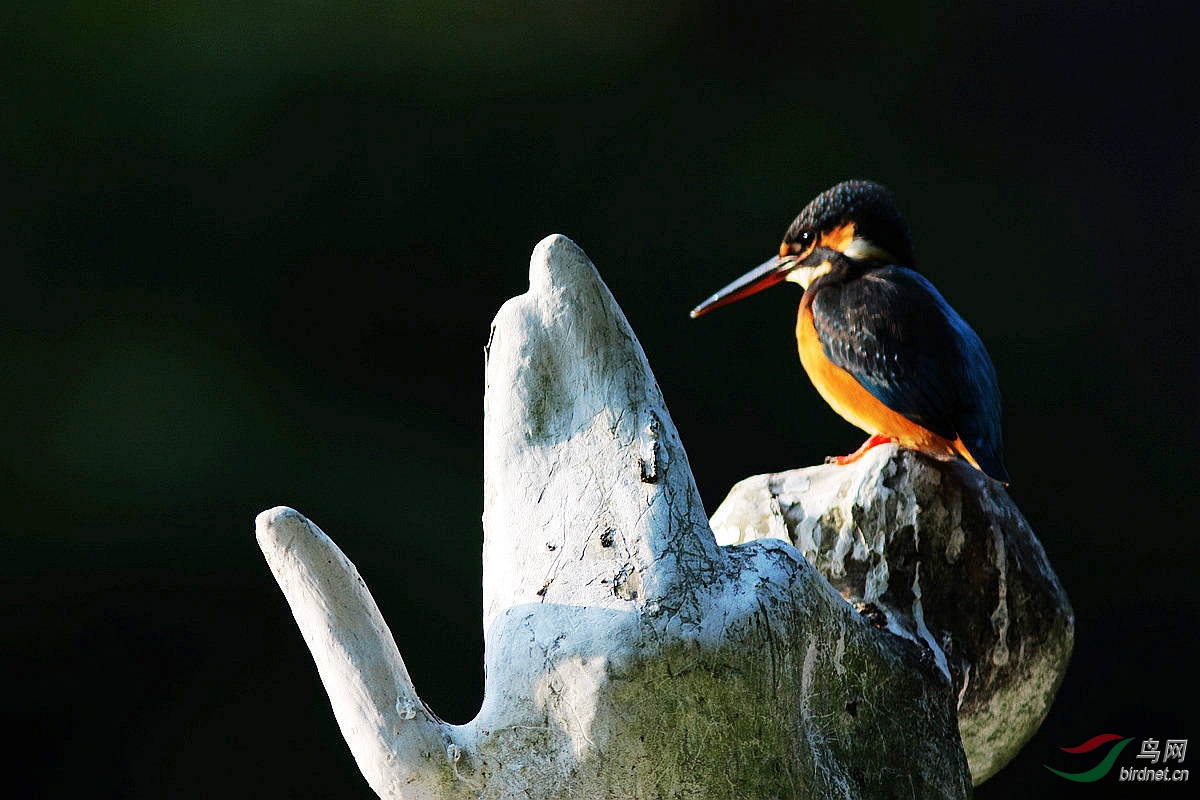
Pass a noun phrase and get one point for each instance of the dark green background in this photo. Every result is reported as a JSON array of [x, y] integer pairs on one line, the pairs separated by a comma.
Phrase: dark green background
[[251, 257]]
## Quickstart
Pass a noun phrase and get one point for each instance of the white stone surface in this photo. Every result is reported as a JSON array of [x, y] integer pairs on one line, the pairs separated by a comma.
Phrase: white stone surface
[[627, 654], [938, 554]]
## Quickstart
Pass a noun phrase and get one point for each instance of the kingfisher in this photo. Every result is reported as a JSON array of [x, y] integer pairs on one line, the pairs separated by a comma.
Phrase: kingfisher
[[878, 341]]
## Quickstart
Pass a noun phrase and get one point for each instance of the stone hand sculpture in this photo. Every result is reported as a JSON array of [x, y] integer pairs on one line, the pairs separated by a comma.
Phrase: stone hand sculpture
[[627, 654]]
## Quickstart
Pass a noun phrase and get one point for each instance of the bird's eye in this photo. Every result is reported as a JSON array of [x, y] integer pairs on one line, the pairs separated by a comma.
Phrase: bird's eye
[[798, 245]]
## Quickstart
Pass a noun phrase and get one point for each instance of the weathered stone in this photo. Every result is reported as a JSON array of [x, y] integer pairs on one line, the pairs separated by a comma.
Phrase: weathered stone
[[627, 654], [938, 554]]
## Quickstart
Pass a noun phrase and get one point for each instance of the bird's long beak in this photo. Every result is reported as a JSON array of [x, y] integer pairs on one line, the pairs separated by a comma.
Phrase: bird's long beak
[[772, 271]]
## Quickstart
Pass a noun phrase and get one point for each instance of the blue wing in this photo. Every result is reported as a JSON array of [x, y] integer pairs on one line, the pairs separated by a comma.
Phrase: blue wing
[[902, 341]]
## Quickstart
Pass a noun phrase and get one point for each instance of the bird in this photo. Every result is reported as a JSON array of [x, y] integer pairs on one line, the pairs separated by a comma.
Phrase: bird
[[880, 344]]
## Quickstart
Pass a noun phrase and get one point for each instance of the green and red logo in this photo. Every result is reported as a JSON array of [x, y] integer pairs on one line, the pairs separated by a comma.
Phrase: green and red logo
[[1174, 750], [1100, 770]]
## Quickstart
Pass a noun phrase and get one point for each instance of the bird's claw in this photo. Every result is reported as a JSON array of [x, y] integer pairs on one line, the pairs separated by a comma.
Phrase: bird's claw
[[874, 441]]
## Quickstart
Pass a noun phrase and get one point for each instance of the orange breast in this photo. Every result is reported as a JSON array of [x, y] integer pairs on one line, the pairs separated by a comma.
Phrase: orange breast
[[858, 406]]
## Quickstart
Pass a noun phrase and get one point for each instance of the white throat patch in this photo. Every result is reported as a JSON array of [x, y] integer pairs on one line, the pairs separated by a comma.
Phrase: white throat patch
[[806, 275]]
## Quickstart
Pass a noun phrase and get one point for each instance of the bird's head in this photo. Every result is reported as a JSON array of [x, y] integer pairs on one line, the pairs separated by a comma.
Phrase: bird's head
[[853, 224]]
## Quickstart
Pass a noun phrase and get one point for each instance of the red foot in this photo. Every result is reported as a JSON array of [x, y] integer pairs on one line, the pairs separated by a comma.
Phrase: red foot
[[874, 441]]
